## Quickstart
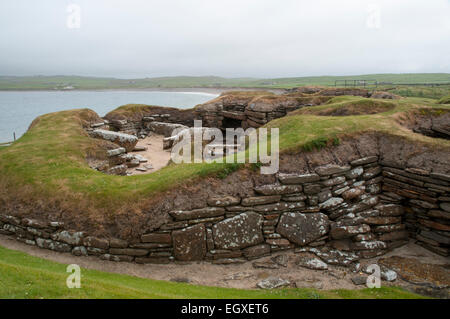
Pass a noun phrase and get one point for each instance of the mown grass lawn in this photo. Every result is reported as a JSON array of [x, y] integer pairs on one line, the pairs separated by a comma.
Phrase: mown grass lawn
[[25, 276]]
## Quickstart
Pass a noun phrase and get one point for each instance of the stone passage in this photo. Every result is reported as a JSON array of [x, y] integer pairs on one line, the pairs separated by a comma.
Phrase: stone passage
[[339, 213], [118, 157], [255, 109], [233, 111]]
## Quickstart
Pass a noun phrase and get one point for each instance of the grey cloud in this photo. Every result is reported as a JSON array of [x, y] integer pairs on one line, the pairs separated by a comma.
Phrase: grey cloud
[[260, 38]]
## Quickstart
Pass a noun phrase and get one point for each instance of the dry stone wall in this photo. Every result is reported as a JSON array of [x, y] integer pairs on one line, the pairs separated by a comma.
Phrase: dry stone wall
[[341, 213], [243, 111], [139, 124], [425, 197]]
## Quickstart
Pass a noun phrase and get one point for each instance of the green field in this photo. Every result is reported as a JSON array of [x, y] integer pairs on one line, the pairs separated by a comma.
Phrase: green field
[[86, 83], [24, 276]]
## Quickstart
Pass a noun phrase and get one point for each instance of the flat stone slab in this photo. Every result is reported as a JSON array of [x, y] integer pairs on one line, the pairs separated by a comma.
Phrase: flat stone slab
[[275, 189], [331, 203], [96, 242], [165, 129], [368, 245], [341, 232], [281, 260], [388, 210], [116, 152], [223, 201], [71, 238], [163, 238], [198, 213], [332, 256], [260, 200], [124, 140], [239, 232], [256, 251], [189, 244], [311, 263], [365, 160], [272, 283], [128, 252], [53, 245], [117, 170], [331, 169], [445, 206], [298, 178], [359, 280], [382, 220], [302, 229]]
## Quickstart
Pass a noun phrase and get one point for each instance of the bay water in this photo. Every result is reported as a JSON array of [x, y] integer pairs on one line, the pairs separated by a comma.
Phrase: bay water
[[19, 108]]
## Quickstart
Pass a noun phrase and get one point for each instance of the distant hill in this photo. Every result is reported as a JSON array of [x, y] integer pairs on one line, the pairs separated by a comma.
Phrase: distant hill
[[91, 83]]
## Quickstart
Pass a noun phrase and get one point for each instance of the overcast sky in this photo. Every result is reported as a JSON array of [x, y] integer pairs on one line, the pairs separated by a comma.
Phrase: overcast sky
[[232, 38]]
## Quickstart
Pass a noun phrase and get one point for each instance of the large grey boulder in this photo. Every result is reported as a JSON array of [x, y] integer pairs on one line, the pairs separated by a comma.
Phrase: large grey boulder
[[239, 232]]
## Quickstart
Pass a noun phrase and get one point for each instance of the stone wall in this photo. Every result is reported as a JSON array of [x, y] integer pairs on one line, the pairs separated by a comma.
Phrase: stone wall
[[230, 111], [137, 123], [339, 212]]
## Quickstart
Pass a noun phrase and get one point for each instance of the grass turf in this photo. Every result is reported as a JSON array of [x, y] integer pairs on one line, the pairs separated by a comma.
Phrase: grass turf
[[444, 100], [25, 276]]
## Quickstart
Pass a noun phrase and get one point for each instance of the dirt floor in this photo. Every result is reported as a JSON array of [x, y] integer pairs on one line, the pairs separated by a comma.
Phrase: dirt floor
[[236, 275], [156, 156]]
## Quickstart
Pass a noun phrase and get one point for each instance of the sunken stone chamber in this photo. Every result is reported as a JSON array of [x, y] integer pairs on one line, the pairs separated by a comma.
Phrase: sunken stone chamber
[[341, 213]]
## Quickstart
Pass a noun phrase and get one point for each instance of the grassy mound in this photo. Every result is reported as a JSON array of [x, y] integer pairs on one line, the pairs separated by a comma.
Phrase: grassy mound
[[137, 111], [129, 111], [24, 276], [46, 169]]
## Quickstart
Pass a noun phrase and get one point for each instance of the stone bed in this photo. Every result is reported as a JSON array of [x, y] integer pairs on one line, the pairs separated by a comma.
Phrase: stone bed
[[342, 204]]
